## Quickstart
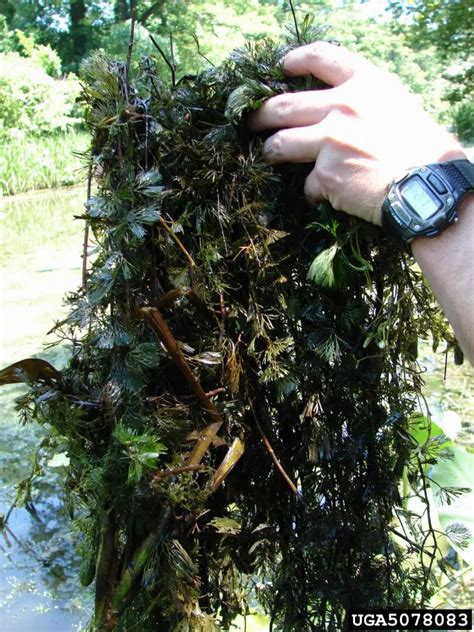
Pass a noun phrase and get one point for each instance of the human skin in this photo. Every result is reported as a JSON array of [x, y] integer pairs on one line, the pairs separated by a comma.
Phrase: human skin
[[361, 133]]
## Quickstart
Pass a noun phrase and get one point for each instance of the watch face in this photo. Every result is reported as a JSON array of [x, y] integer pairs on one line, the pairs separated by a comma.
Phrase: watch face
[[420, 198]]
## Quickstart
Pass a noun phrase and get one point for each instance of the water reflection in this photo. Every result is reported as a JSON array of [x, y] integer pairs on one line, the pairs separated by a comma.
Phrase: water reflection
[[40, 246]]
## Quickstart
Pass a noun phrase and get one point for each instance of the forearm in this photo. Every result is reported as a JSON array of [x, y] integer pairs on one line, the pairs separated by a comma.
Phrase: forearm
[[447, 262]]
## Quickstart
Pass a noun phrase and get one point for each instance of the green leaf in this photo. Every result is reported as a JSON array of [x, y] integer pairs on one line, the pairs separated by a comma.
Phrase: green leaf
[[457, 517], [143, 450], [422, 429], [248, 96], [321, 271], [150, 183], [227, 526], [145, 355]]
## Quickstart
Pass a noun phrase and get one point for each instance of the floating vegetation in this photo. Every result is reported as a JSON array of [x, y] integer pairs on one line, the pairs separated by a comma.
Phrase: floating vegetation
[[238, 405]]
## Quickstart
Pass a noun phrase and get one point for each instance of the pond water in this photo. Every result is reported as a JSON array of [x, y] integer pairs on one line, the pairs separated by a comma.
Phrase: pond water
[[40, 260], [40, 246]]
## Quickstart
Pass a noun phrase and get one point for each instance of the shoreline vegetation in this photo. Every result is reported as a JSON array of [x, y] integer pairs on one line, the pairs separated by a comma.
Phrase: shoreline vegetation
[[35, 163]]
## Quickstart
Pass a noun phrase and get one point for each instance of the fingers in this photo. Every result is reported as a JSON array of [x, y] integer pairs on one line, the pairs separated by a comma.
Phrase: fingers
[[293, 110], [299, 144], [333, 64]]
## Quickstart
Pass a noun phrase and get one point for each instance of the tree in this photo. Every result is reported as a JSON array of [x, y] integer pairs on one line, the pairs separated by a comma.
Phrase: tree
[[77, 27], [446, 24]]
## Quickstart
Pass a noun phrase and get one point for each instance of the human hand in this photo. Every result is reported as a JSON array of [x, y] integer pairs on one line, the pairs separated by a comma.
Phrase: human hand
[[361, 133]]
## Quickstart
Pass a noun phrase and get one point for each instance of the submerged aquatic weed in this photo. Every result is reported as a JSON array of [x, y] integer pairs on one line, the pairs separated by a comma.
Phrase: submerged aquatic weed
[[243, 370]]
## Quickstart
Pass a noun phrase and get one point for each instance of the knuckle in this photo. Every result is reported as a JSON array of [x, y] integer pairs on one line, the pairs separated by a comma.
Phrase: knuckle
[[310, 193], [391, 78], [336, 203], [389, 81], [316, 50], [322, 48], [283, 107], [345, 109], [327, 135]]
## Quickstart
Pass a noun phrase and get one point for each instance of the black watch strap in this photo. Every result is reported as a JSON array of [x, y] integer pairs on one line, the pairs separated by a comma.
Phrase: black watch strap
[[391, 227], [460, 172]]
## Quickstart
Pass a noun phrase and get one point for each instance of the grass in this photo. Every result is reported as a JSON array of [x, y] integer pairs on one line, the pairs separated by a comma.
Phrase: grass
[[41, 162]]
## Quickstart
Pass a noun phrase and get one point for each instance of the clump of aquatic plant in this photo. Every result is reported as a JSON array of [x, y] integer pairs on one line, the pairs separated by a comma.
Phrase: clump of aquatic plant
[[243, 374]]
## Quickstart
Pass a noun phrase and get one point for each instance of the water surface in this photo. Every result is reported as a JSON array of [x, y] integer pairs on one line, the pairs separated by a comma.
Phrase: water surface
[[40, 247]]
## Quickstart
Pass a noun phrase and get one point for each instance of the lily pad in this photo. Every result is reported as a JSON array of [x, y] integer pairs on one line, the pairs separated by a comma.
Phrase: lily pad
[[456, 510]]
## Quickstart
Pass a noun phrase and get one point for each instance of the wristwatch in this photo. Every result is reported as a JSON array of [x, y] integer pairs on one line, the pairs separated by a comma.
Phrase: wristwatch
[[424, 200]]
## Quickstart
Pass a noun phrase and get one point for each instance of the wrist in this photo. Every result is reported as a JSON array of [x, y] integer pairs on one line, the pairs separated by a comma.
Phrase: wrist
[[426, 201], [444, 244], [452, 152]]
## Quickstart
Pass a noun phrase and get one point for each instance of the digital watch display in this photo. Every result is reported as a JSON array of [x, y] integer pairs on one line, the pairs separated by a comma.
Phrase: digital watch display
[[424, 200]]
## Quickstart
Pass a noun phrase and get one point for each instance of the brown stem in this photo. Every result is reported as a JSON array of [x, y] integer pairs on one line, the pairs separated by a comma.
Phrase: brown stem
[[158, 476], [129, 51], [216, 391], [104, 576], [271, 451], [154, 318], [171, 296], [177, 241], [86, 233], [206, 437]]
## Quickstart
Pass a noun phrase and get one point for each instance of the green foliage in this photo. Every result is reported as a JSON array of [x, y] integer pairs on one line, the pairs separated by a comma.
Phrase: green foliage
[[321, 271], [420, 69], [41, 162], [448, 27], [142, 450], [115, 41], [43, 56], [76, 28], [446, 24], [220, 27], [32, 102], [38, 114], [7, 41], [463, 122], [223, 25]]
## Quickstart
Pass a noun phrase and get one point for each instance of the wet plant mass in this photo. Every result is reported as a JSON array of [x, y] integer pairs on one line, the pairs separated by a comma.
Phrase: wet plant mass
[[243, 375]]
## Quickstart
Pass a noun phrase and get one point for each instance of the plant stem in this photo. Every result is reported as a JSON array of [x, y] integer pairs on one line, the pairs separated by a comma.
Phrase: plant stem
[[153, 316]]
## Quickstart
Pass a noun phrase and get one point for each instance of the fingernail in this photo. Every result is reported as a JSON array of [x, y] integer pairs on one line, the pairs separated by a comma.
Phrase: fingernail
[[283, 62]]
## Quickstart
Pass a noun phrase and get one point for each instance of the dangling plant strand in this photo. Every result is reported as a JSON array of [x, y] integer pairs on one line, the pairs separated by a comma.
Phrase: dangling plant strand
[[243, 378]]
